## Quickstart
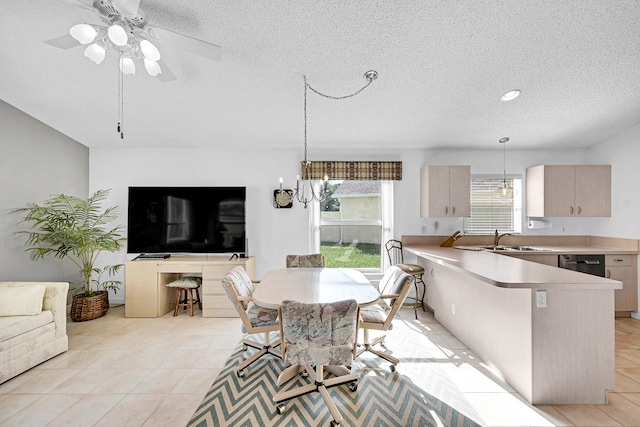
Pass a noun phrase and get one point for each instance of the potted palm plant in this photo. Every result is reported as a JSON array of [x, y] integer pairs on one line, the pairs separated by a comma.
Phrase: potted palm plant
[[77, 229]]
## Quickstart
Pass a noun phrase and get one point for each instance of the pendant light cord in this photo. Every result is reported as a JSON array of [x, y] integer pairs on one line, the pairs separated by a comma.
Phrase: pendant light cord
[[300, 190], [369, 75]]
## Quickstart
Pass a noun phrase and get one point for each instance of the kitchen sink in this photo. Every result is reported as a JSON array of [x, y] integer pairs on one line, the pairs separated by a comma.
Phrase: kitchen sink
[[515, 248], [504, 248]]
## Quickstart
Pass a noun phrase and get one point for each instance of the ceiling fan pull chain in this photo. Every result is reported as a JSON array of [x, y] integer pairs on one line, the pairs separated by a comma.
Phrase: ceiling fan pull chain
[[120, 126]]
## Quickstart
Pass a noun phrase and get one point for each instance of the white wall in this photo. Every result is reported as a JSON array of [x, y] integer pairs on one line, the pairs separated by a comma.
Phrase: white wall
[[35, 162], [623, 153]]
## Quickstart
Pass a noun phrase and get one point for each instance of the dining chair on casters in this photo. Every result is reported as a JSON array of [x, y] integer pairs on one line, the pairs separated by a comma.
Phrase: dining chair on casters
[[394, 288], [305, 261], [396, 257], [320, 336], [255, 319]]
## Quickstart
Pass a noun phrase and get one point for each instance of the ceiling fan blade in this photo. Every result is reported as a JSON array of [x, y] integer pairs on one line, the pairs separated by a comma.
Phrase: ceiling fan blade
[[166, 75], [63, 42], [128, 7], [83, 4], [198, 47]]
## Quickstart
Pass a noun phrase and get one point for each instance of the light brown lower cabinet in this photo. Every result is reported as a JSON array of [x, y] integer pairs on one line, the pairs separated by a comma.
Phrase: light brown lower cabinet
[[625, 269]]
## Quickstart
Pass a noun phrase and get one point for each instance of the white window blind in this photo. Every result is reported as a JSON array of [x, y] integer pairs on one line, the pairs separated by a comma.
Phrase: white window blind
[[490, 210]]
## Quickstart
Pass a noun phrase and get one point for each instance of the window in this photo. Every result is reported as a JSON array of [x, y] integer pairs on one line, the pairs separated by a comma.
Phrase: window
[[490, 210], [351, 225]]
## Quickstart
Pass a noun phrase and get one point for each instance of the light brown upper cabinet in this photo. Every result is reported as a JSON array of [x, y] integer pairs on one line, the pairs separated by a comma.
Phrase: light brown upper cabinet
[[568, 190], [445, 191]]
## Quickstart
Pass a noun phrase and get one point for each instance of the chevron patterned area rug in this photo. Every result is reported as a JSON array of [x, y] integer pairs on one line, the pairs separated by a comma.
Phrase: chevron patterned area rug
[[383, 398]]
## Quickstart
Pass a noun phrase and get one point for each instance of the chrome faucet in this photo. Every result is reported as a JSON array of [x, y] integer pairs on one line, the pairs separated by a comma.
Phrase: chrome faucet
[[496, 241]]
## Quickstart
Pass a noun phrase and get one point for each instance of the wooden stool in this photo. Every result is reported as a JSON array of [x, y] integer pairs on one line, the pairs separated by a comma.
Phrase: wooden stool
[[186, 285]]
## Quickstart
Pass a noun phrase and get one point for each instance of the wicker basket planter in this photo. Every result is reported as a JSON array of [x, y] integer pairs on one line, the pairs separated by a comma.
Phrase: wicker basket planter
[[89, 308]]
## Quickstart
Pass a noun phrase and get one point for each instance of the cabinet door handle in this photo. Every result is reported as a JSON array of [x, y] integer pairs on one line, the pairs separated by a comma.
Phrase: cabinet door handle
[[446, 210], [579, 210], [453, 210], [608, 275], [571, 210], [617, 260]]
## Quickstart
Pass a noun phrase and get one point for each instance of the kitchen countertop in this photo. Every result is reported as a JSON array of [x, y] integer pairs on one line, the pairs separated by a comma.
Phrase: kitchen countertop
[[555, 249], [508, 272], [551, 244]]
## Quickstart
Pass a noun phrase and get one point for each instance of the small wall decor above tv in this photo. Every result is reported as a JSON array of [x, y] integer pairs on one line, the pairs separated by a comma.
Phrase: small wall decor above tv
[[186, 220]]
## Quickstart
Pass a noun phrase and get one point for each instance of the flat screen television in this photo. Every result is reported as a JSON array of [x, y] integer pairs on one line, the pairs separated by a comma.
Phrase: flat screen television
[[186, 220]]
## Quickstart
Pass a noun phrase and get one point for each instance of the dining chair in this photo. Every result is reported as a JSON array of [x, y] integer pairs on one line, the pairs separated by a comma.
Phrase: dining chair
[[396, 257], [394, 285], [255, 319], [305, 261], [320, 335]]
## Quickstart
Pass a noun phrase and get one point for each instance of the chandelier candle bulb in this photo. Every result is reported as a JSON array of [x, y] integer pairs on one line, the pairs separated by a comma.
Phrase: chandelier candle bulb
[[281, 182]]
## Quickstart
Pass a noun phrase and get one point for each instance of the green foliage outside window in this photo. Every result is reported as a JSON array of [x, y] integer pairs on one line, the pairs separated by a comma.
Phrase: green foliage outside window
[[363, 255]]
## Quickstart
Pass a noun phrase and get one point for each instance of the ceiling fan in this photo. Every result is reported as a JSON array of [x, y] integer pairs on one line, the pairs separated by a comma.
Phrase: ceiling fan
[[124, 29]]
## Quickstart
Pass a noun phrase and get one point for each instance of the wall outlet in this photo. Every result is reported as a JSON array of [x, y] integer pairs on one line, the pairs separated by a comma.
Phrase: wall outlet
[[424, 229], [541, 299], [453, 309]]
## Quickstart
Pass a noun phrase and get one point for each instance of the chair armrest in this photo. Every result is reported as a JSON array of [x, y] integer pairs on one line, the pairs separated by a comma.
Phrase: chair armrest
[[248, 299], [389, 296]]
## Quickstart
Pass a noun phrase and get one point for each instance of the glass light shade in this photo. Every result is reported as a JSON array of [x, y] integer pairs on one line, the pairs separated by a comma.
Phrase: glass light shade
[[95, 52], [84, 33], [117, 35], [152, 67], [127, 66], [505, 190], [149, 50]]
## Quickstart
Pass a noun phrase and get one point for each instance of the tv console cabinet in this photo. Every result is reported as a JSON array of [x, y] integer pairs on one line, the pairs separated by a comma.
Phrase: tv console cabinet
[[146, 293]]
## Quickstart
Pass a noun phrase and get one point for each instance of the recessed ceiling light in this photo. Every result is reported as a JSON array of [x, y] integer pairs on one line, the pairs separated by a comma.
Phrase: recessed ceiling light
[[511, 95]]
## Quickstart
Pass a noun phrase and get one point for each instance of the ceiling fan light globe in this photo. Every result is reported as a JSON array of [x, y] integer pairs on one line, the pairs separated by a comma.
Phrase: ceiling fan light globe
[[127, 66], [95, 52], [117, 35], [152, 67], [84, 33], [149, 50]]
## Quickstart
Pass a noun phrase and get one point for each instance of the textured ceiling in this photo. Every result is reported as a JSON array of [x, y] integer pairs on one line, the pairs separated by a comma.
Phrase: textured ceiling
[[442, 65]]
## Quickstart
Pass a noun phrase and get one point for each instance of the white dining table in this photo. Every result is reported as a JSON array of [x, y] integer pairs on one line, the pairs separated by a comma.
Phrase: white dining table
[[314, 285]]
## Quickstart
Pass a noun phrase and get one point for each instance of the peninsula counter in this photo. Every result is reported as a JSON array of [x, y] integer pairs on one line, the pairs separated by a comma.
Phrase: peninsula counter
[[549, 332]]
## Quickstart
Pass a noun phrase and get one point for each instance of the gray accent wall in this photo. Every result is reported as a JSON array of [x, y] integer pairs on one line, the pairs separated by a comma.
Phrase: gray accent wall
[[36, 161]]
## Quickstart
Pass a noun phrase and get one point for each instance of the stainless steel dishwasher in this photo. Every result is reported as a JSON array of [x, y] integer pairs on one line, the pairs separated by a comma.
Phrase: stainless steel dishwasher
[[590, 264]]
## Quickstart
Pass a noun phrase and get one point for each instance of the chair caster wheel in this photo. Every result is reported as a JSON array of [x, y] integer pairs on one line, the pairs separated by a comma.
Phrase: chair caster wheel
[[304, 374], [280, 409], [240, 374], [392, 368], [334, 424], [244, 347], [353, 386]]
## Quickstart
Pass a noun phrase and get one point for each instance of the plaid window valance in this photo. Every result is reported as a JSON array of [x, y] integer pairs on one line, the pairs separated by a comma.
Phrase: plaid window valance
[[362, 171]]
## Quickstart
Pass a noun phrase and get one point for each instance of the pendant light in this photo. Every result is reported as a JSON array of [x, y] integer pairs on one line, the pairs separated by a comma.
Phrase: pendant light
[[505, 189]]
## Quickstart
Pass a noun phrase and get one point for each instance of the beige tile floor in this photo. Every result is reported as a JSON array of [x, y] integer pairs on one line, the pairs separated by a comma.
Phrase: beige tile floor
[[155, 372]]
